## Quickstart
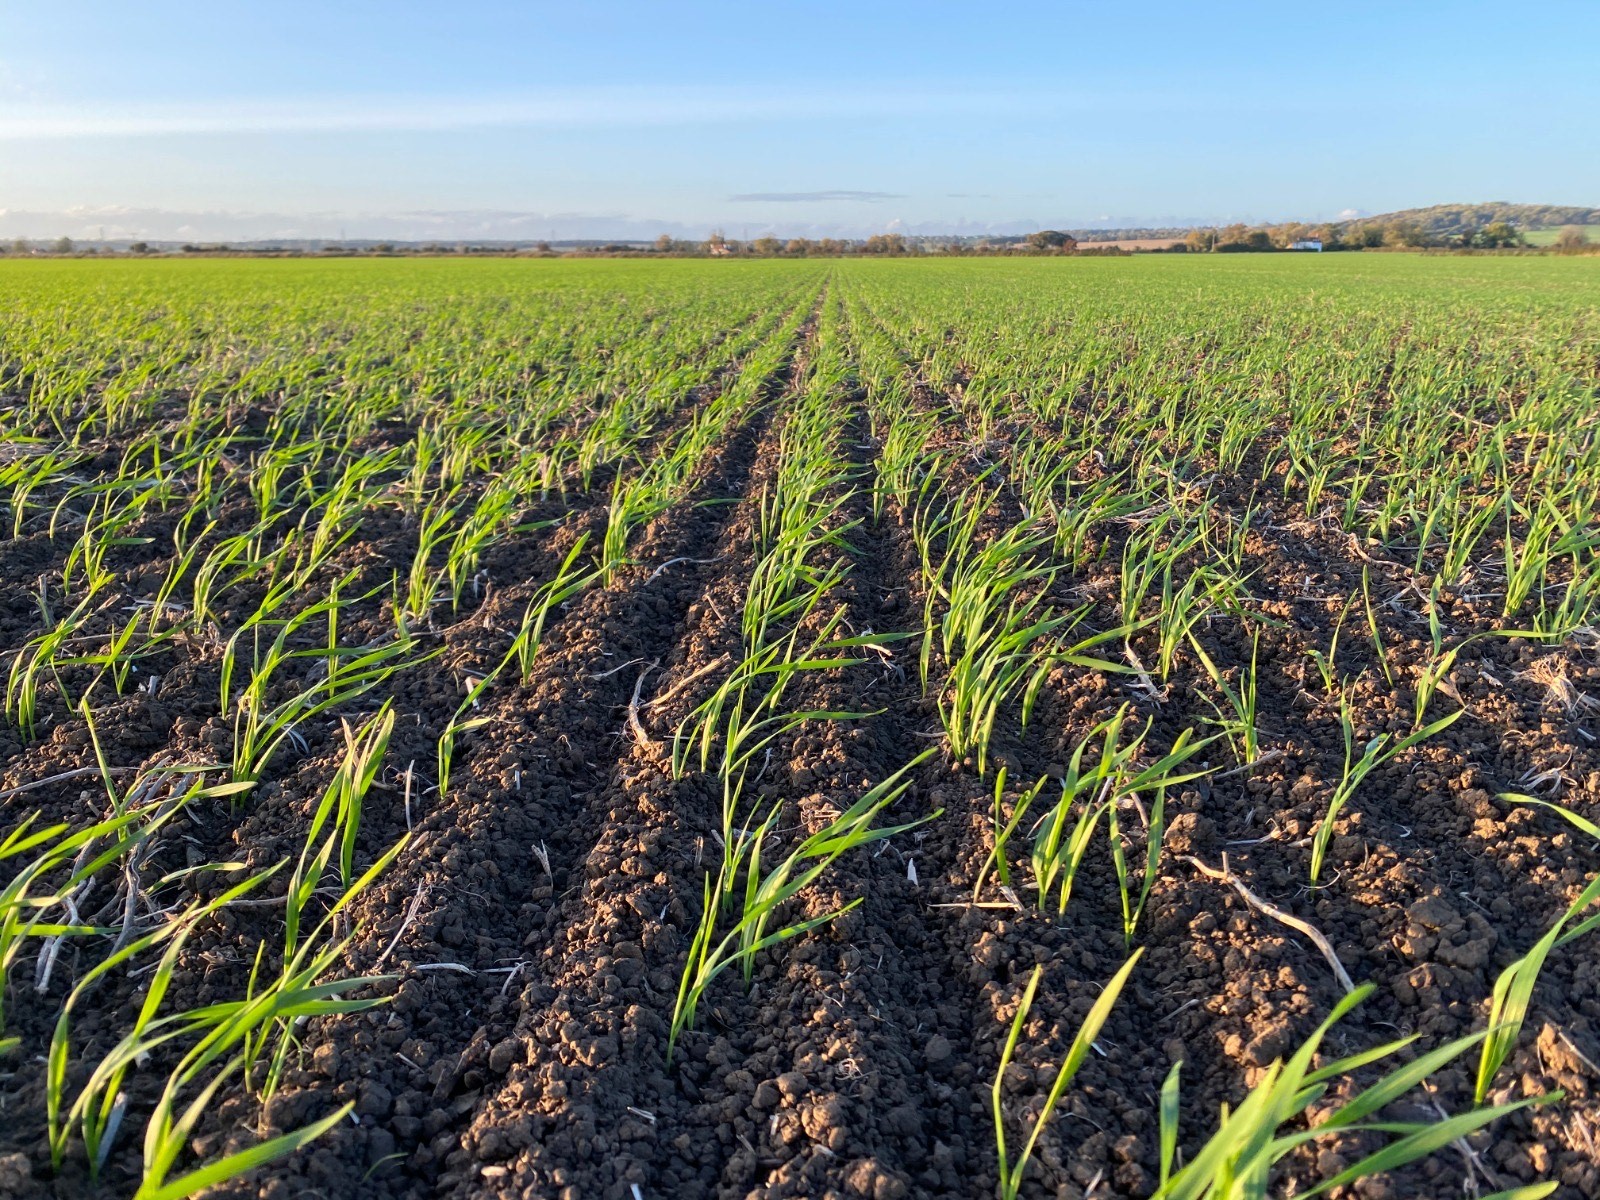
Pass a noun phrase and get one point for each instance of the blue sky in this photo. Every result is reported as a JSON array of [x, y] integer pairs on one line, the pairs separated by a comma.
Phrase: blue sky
[[607, 119]]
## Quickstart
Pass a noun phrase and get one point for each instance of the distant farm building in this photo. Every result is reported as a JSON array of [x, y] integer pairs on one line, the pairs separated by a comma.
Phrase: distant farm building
[[1306, 244]]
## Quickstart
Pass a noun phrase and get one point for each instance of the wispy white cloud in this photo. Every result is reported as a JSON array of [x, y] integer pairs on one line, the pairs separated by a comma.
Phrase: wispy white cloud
[[122, 222], [571, 108]]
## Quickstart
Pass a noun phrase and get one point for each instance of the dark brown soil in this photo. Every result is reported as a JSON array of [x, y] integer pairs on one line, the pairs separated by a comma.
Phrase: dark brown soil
[[536, 924]]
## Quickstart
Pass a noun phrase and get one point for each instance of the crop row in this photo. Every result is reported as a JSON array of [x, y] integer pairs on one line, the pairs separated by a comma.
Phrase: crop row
[[1173, 537]]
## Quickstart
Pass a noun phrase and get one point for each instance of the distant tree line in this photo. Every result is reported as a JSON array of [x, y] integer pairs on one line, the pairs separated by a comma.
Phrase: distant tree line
[[1398, 234], [1493, 226], [1443, 227], [890, 245], [1365, 235], [1446, 221]]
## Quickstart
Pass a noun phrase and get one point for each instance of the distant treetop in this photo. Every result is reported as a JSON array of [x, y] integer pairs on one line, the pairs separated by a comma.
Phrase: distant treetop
[[1452, 220]]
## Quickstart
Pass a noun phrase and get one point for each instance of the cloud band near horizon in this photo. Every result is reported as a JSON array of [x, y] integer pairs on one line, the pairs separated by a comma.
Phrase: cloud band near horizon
[[570, 108]]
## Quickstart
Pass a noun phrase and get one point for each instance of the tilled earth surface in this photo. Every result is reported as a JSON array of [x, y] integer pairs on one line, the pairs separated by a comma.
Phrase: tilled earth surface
[[537, 922]]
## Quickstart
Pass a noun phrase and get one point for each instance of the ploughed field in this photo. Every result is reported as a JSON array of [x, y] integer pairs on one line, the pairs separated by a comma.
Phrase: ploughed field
[[618, 729]]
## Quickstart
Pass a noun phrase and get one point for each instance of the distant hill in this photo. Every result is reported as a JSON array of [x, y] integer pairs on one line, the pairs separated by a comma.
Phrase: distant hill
[[1449, 220], [1437, 224]]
